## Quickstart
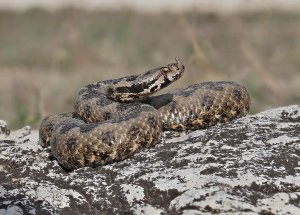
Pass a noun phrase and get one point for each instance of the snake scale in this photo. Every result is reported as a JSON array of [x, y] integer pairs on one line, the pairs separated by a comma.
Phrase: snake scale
[[114, 118]]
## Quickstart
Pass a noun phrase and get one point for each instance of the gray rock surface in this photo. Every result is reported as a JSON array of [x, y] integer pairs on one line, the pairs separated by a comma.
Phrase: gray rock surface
[[249, 166]]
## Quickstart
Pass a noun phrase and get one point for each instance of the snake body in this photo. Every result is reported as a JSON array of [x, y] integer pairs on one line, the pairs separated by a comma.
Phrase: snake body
[[114, 118]]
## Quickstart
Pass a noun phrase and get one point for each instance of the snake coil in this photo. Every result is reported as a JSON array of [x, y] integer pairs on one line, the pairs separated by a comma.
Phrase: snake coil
[[113, 119]]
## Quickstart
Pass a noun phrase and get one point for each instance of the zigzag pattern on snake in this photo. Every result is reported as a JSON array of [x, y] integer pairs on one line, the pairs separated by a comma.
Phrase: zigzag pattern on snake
[[114, 118]]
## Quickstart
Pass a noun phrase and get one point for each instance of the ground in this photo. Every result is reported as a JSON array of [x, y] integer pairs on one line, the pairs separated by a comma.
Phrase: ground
[[249, 166]]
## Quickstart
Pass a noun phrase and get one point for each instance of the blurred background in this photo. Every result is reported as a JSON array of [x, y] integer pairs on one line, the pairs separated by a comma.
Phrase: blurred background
[[50, 49]]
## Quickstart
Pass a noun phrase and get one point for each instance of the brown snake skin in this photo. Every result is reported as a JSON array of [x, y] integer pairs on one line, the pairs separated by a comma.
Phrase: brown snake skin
[[113, 119]]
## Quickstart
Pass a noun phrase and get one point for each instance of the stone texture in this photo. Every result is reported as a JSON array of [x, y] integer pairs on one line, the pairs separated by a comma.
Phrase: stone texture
[[249, 166]]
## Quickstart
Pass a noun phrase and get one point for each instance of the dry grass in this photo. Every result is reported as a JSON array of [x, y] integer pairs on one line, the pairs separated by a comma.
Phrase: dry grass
[[46, 57]]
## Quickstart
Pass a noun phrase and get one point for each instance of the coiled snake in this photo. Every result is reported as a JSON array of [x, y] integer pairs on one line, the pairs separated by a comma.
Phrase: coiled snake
[[114, 118]]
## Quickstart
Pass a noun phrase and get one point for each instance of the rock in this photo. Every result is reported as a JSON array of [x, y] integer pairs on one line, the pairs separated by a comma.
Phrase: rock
[[3, 128], [248, 166]]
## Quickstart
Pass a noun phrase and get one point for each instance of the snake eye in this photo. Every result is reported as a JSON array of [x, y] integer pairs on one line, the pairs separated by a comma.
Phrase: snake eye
[[165, 69]]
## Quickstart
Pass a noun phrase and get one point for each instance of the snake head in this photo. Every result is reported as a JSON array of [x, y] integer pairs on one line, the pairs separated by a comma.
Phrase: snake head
[[173, 71], [137, 88]]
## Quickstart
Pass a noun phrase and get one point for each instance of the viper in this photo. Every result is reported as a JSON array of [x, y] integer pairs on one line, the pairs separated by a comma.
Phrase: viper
[[112, 119]]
